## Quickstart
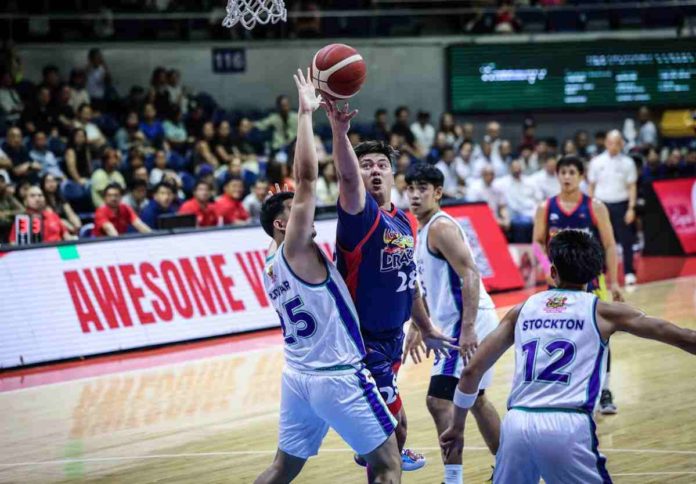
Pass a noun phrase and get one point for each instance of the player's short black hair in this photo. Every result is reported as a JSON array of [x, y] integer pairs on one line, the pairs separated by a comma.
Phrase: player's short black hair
[[576, 255], [368, 147], [571, 160], [425, 173], [271, 208]]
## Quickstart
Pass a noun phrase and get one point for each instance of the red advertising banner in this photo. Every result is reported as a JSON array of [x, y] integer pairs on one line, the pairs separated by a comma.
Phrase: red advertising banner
[[678, 199], [489, 246]]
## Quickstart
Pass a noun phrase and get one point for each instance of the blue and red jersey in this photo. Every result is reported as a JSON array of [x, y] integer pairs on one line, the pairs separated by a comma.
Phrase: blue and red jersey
[[375, 257], [582, 217]]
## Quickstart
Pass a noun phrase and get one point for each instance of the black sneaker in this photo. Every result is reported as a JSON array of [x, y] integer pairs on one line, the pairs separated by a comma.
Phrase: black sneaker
[[606, 403]]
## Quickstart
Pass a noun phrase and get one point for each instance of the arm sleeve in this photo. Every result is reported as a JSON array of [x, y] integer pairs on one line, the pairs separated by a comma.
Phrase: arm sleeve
[[352, 229]]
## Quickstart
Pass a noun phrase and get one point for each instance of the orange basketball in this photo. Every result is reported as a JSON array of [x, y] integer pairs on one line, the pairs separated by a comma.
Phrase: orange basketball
[[338, 71]]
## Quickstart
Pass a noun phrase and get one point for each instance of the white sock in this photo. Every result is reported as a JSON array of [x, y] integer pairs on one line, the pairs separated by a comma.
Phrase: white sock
[[606, 382], [453, 474]]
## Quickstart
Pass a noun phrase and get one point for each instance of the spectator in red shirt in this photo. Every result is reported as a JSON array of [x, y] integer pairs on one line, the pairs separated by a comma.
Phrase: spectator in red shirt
[[52, 228], [201, 205], [113, 218], [229, 205]]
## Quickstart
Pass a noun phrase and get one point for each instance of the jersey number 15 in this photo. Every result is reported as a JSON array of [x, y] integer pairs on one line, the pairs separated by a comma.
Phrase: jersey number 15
[[302, 322]]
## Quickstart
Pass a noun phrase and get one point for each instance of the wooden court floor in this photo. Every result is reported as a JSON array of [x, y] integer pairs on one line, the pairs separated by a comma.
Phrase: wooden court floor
[[214, 419]]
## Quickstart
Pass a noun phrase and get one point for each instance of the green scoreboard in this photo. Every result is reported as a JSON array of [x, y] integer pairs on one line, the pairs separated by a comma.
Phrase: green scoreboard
[[571, 75]]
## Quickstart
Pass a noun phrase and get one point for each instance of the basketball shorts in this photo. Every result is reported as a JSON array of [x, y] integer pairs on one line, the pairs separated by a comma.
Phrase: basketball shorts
[[598, 287], [558, 446], [383, 359], [348, 402], [486, 322]]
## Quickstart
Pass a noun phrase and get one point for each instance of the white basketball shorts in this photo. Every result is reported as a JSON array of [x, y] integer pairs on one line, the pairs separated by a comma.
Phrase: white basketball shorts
[[348, 402], [486, 321], [559, 446]]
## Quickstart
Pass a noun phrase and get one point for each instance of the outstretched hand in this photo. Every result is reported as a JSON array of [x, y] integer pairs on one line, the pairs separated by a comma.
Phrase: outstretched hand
[[438, 343], [276, 189], [338, 117], [308, 97]]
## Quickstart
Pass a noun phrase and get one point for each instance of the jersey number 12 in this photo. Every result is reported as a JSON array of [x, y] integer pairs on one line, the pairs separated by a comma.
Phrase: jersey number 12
[[552, 373]]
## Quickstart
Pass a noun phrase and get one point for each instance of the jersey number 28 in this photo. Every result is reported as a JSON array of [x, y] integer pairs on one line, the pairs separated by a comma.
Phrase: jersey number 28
[[302, 322], [407, 281]]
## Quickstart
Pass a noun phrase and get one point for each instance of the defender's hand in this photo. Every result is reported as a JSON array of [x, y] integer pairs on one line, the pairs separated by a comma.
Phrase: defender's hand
[[413, 345], [468, 343], [309, 99], [438, 343]]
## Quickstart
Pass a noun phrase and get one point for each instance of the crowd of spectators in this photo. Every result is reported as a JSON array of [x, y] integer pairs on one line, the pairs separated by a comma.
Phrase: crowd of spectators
[[107, 164], [318, 19]]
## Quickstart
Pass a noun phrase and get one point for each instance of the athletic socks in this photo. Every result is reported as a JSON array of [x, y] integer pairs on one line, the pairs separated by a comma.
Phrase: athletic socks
[[453, 474], [606, 382]]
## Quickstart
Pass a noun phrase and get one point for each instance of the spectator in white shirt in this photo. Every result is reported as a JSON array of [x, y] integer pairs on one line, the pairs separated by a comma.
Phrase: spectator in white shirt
[[453, 186], [78, 91], [424, 132], [485, 156], [647, 133], [545, 180], [98, 75], [463, 164], [95, 138], [41, 153], [10, 103], [485, 190], [612, 176], [327, 186], [521, 198], [253, 202]]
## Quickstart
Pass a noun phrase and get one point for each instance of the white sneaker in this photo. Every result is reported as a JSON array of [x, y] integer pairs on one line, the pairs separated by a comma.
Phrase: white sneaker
[[630, 279]]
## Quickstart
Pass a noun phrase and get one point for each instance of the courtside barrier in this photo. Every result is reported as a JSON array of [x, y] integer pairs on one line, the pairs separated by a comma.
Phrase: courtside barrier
[[65, 301]]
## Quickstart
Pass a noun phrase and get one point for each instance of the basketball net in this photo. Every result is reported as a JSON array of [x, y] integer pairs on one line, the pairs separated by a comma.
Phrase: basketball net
[[251, 12]]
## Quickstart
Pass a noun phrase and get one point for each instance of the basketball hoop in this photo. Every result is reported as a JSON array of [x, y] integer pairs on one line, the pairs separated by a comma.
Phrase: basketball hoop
[[251, 12]]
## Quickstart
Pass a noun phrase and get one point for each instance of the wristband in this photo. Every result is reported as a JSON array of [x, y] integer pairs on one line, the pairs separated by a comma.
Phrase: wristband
[[464, 400]]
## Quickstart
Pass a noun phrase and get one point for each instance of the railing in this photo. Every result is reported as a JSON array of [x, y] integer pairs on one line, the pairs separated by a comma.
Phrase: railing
[[388, 18]]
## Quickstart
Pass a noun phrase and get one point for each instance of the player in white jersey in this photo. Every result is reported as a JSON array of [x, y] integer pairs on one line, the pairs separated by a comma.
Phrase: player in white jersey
[[458, 305], [560, 338], [324, 382]]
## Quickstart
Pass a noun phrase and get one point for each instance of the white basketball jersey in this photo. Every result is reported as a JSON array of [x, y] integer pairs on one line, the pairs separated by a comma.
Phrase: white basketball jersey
[[319, 321], [560, 357], [440, 283]]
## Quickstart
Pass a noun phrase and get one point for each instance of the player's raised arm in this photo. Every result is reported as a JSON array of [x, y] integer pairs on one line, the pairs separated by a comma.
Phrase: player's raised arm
[[350, 185], [446, 239], [490, 351], [298, 236], [606, 235], [612, 317]]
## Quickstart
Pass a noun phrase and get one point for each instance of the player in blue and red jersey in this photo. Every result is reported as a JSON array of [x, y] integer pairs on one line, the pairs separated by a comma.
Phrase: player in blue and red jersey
[[572, 209], [374, 247]]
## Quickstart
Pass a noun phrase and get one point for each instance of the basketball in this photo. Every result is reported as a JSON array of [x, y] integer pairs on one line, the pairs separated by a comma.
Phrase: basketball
[[338, 71]]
